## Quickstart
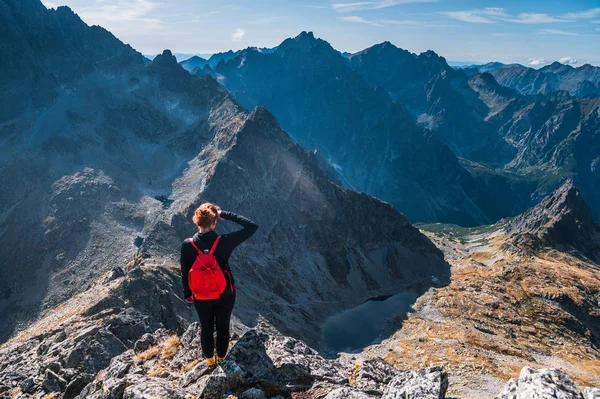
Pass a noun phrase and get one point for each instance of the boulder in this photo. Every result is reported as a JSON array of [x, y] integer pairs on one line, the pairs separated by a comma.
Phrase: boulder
[[348, 393], [253, 393], [53, 382], [153, 388], [591, 393], [540, 384], [428, 383], [374, 375], [277, 359]]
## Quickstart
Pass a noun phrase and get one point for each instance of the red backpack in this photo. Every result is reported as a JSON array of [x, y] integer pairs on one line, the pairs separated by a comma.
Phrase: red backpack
[[205, 278]]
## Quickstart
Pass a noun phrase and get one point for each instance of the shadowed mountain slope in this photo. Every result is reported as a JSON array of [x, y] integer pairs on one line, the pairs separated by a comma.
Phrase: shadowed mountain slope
[[372, 142]]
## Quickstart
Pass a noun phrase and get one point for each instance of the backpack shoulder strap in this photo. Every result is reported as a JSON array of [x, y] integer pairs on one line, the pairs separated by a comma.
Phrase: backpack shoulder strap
[[194, 244], [214, 245]]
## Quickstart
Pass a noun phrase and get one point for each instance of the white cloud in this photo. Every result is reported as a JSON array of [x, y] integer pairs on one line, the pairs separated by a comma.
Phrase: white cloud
[[568, 60], [493, 11], [351, 6], [536, 61], [556, 32], [373, 5], [49, 4], [112, 10], [494, 14], [591, 13], [379, 22], [469, 16], [360, 20], [238, 34], [531, 18]]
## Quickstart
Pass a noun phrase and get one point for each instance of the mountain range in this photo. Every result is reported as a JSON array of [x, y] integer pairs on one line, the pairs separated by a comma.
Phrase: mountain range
[[580, 82], [105, 155], [503, 151], [113, 163]]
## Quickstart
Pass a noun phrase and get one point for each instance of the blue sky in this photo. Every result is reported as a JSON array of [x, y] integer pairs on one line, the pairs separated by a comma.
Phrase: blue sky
[[530, 32]]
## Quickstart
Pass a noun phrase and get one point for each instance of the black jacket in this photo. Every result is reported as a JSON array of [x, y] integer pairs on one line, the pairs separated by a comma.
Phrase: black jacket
[[222, 252]]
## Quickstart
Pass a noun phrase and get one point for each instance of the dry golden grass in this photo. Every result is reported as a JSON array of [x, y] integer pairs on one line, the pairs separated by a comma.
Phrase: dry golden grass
[[592, 366], [165, 349], [495, 318], [171, 346], [159, 371], [353, 374], [149, 353], [101, 374], [481, 256], [190, 366]]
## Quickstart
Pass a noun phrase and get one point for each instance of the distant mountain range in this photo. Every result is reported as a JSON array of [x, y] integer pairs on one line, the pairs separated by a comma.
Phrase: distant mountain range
[[581, 82], [372, 141], [513, 149]]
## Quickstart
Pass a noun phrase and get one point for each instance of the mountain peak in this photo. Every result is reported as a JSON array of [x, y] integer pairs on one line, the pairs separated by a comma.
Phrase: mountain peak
[[304, 35], [434, 60], [562, 220], [165, 59], [387, 45], [304, 41], [194, 58], [386, 49], [65, 9]]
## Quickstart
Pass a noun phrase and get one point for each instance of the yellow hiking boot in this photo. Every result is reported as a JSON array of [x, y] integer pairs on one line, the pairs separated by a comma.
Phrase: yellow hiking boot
[[220, 359], [211, 361]]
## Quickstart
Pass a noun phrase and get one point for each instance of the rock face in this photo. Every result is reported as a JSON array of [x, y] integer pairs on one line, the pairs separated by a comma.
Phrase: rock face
[[371, 141], [543, 383], [562, 220], [48, 51], [519, 147], [263, 363], [437, 96]]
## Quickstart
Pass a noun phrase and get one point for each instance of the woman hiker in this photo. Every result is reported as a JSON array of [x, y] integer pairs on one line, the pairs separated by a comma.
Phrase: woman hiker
[[206, 276]]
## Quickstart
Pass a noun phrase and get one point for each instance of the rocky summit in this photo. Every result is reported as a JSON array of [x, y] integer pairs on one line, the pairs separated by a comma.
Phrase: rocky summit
[[562, 220], [262, 364]]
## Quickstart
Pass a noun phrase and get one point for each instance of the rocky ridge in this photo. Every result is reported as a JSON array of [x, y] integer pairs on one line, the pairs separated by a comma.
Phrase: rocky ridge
[[562, 220], [582, 81], [261, 364]]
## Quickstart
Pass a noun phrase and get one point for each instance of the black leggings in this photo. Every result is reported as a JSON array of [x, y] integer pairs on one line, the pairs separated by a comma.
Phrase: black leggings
[[211, 312]]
